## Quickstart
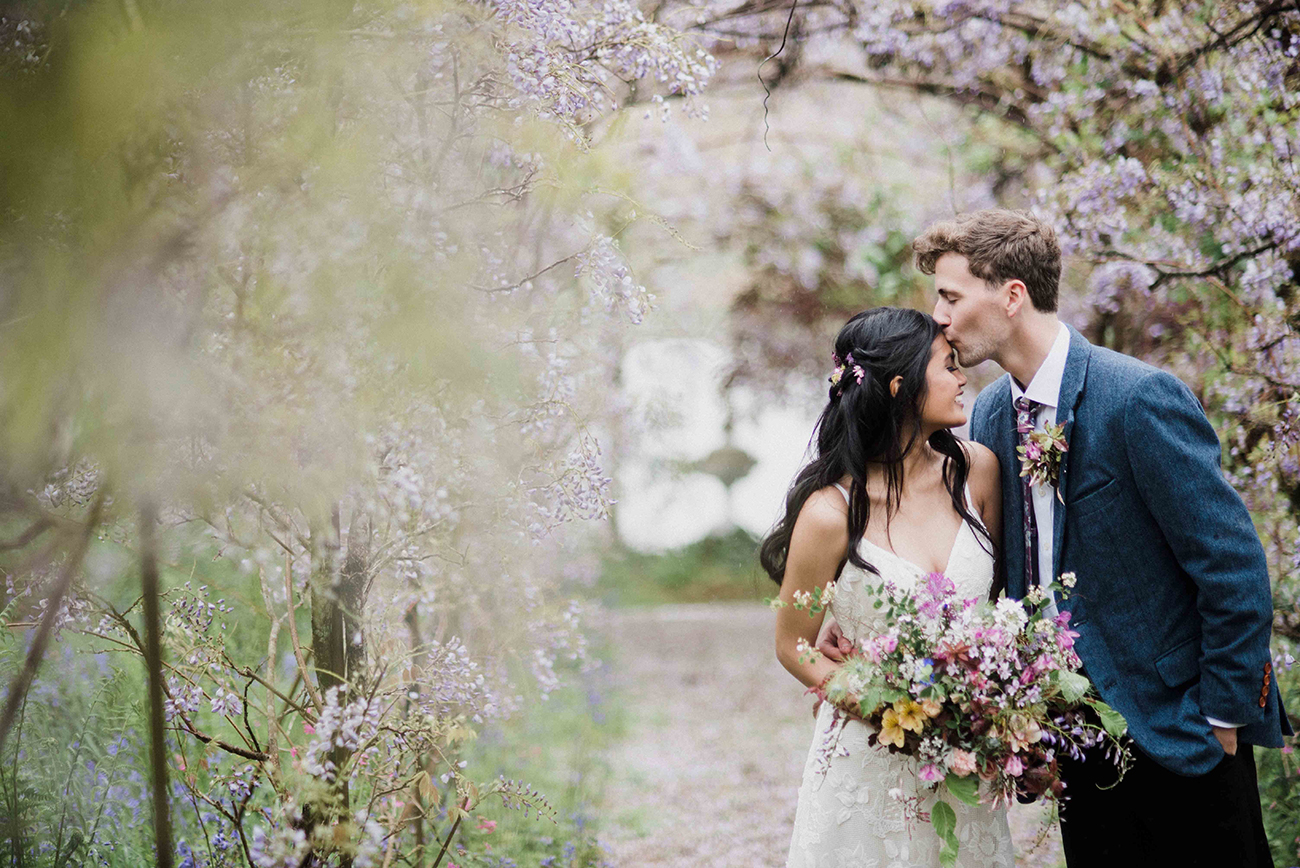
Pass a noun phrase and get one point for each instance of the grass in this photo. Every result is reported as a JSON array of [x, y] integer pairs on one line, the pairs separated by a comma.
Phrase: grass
[[557, 746], [715, 568]]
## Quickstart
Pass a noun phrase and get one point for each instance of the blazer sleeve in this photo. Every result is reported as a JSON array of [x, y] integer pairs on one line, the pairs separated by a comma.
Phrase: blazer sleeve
[[1175, 455], [977, 415]]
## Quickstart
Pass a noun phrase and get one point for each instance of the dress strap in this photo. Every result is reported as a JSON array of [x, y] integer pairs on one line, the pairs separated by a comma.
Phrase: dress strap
[[970, 505], [844, 491]]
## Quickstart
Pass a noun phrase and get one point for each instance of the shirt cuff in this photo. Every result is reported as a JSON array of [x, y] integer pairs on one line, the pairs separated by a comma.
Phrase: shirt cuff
[[1214, 722]]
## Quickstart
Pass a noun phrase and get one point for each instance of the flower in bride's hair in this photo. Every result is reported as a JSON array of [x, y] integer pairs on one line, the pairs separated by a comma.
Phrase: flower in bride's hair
[[858, 374], [890, 731]]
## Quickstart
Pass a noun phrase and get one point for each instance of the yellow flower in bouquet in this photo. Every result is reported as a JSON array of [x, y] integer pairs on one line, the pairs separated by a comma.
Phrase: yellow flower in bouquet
[[910, 715], [890, 731]]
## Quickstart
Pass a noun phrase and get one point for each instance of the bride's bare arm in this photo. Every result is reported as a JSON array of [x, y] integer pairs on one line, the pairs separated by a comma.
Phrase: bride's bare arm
[[986, 488], [817, 546]]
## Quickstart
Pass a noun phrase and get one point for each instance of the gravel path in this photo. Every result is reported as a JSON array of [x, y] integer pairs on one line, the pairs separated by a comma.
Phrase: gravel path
[[718, 732]]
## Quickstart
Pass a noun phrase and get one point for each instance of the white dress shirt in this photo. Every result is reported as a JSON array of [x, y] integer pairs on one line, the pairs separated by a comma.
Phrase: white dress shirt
[[1045, 388]]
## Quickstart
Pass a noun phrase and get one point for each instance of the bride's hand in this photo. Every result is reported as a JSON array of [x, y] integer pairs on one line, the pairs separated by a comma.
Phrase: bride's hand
[[831, 641]]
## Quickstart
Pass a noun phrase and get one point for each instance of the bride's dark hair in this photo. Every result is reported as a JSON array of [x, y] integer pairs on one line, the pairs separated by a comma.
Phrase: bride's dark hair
[[864, 424]]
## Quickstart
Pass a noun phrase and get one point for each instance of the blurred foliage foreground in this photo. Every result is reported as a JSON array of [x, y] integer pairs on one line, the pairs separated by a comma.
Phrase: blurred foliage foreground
[[307, 310]]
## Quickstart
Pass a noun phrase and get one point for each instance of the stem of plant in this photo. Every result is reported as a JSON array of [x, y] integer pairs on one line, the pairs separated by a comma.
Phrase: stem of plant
[[450, 835], [162, 825]]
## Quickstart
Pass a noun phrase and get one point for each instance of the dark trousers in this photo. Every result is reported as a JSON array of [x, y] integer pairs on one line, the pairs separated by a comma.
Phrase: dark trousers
[[1156, 817]]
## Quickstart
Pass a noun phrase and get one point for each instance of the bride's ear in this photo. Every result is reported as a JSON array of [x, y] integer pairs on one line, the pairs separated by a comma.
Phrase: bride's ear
[[894, 385]]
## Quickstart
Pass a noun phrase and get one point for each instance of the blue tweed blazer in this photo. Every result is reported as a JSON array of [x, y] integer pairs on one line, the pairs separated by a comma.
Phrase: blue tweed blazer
[[1173, 605]]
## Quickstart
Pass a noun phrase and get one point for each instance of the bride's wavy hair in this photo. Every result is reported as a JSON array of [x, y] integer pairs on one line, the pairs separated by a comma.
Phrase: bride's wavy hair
[[863, 424]]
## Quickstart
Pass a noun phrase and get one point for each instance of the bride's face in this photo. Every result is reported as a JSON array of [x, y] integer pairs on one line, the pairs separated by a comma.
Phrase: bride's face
[[944, 384]]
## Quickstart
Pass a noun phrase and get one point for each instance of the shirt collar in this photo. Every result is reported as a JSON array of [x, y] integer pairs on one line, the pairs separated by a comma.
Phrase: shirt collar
[[1045, 387]]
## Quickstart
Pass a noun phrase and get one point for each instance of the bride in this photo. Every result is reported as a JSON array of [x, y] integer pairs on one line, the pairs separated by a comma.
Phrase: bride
[[891, 494]]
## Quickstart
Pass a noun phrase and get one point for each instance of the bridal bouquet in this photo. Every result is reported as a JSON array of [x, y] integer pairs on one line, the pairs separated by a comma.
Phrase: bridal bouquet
[[972, 692]]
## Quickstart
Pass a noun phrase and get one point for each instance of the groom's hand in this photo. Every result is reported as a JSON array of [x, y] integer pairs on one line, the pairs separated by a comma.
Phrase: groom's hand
[[1227, 737], [832, 642]]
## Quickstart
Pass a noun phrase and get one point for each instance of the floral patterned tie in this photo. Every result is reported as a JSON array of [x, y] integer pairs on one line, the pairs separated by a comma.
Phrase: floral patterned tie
[[1026, 413]]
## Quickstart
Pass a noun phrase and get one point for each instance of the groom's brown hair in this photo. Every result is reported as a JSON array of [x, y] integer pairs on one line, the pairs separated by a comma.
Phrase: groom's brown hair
[[999, 245]]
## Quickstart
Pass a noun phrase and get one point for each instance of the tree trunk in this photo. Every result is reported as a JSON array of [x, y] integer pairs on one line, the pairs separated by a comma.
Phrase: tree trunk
[[338, 594]]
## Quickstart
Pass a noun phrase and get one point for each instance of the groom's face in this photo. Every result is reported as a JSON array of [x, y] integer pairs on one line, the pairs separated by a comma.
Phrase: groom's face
[[972, 313]]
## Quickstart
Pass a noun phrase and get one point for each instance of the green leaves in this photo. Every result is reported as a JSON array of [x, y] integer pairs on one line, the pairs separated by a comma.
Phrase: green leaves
[[1111, 720], [1073, 686], [966, 789], [877, 696], [944, 819]]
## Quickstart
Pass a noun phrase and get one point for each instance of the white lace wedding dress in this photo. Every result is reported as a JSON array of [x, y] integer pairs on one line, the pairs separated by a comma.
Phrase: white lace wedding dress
[[846, 817]]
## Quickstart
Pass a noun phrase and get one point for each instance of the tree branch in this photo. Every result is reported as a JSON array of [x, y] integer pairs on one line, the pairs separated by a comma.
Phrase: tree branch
[[53, 605]]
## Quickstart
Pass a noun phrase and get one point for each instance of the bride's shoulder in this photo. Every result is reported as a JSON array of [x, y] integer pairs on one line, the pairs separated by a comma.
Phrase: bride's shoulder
[[980, 456], [825, 505], [985, 473], [822, 520]]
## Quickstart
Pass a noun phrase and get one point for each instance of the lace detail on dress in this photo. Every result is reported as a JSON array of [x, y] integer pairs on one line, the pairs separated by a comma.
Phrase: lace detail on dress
[[846, 817]]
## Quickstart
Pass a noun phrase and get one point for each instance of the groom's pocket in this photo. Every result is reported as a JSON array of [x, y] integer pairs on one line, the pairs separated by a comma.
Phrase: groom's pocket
[[1181, 663], [1092, 499]]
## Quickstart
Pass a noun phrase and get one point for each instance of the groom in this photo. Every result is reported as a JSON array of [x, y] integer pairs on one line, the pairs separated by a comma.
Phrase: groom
[[1172, 606]]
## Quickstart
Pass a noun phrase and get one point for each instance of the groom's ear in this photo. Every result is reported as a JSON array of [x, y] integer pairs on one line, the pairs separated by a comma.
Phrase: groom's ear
[[894, 385], [1017, 295]]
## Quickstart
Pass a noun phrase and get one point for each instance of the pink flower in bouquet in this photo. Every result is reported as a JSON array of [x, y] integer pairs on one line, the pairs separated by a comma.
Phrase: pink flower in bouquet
[[962, 762], [939, 586], [1024, 732], [931, 608], [888, 643], [931, 774], [1014, 766], [931, 707]]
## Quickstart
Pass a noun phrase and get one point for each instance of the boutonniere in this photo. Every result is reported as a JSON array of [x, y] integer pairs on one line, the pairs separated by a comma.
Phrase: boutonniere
[[1040, 457]]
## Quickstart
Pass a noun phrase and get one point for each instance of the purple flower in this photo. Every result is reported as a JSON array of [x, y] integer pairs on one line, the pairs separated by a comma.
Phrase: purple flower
[[939, 586]]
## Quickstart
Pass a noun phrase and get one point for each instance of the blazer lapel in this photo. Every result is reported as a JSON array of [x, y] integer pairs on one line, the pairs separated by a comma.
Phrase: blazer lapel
[[1076, 370]]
